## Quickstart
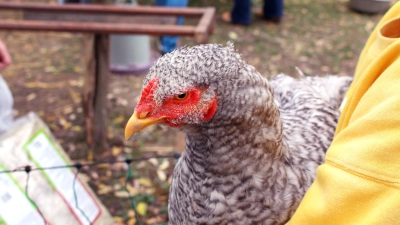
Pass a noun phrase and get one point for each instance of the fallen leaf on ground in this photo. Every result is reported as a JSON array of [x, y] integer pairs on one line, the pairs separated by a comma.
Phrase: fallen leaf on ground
[[164, 165], [38, 84], [153, 161], [116, 151], [104, 189], [161, 175], [75, 96], [154, 220], [30, 97], [132, 191], [118, 120], [145, 182], [233, 35], [131, 213], [141, 208], [121, 194], [131, 221], [118, 219], [76, 128]]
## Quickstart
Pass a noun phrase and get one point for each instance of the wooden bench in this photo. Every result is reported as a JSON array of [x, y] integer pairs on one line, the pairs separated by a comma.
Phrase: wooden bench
[[100, 21]]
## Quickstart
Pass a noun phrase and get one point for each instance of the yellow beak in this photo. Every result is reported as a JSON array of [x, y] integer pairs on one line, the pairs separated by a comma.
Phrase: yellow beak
[[138, 122]]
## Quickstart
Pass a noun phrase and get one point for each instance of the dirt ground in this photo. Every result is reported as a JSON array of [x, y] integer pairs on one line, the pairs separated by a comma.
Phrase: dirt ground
[[46, 76]]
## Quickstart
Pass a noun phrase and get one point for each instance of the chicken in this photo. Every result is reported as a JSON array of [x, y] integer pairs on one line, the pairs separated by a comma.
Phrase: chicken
[[246, 160]]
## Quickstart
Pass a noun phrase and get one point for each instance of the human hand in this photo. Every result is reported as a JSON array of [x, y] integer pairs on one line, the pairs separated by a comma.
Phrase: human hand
[[5, 58]]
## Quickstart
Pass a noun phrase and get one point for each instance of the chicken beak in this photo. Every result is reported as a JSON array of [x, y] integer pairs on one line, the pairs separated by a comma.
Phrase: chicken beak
[[138, 122]]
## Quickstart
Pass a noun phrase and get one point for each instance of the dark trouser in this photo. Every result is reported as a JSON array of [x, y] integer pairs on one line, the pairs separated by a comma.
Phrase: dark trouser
[[241, 12], [169, 43], [273, 9]]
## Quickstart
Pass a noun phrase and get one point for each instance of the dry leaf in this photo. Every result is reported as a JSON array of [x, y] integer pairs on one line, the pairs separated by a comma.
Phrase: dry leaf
[[68, 109], [151, 191], [30, 97], [141, 208], [103, 166], [121, 194], [233, 35], [145, 182], [122, 102], [154, 220], [72, 117], [132, 191], [67, 125], [76, 128], [131, 221], [75, 96], [164, 165], [90, 155], [104, 189], [153, 161], [118, 120], [161, 175], [116, 151], [50, 69], [94, 175], [76, 83], [118, 219], [38, 84], [78, 69], [131, 213]]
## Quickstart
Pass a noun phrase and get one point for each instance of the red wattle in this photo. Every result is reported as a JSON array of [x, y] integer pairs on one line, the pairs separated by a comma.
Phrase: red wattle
[[211, 111]]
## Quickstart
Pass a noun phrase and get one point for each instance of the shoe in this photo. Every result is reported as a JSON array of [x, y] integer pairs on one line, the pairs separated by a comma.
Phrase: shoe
[[275, 20], [260, 15], [226, 17]]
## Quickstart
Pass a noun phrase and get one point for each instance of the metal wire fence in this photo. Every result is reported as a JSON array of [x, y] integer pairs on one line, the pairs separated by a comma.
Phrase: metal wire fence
[[78, 166]]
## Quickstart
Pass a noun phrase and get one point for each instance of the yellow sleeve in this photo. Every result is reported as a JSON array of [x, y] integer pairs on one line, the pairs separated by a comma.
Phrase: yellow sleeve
[[360, 180]]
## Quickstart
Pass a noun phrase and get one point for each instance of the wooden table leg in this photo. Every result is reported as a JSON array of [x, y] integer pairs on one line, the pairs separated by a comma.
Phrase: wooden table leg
[[100, 101], [95, 91], [89, 88]]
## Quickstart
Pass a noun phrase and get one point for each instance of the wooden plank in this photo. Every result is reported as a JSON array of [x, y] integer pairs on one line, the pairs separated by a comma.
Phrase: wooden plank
[[205, 26], [82, 17], [100, 115], [101, 28], [89, 86], [105, 9]]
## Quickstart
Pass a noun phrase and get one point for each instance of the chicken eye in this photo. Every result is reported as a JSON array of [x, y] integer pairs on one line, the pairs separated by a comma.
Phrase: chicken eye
[[182, 96]]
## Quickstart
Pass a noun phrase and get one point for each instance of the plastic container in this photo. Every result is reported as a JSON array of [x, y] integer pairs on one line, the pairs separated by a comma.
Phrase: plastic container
[[370, 6], [130, 54]]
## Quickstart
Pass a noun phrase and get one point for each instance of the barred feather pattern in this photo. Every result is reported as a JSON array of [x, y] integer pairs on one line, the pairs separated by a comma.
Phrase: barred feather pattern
[[254, 160]]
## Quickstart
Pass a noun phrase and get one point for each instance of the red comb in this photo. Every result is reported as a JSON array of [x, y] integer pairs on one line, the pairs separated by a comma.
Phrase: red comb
[[146, 100]]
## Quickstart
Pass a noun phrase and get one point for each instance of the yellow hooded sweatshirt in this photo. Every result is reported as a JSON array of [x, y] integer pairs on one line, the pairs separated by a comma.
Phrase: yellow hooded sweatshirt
[[359, 183]]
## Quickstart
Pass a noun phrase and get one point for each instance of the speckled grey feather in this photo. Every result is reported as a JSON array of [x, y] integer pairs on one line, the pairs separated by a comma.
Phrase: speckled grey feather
[[252, 162]]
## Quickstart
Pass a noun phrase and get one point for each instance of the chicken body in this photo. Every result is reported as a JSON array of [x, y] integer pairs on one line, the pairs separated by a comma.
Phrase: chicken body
[[254, 159]]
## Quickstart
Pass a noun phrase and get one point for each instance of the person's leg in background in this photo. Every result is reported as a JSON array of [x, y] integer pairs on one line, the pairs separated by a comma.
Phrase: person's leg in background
[[241, 12], [169, 43], [273, 10]]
